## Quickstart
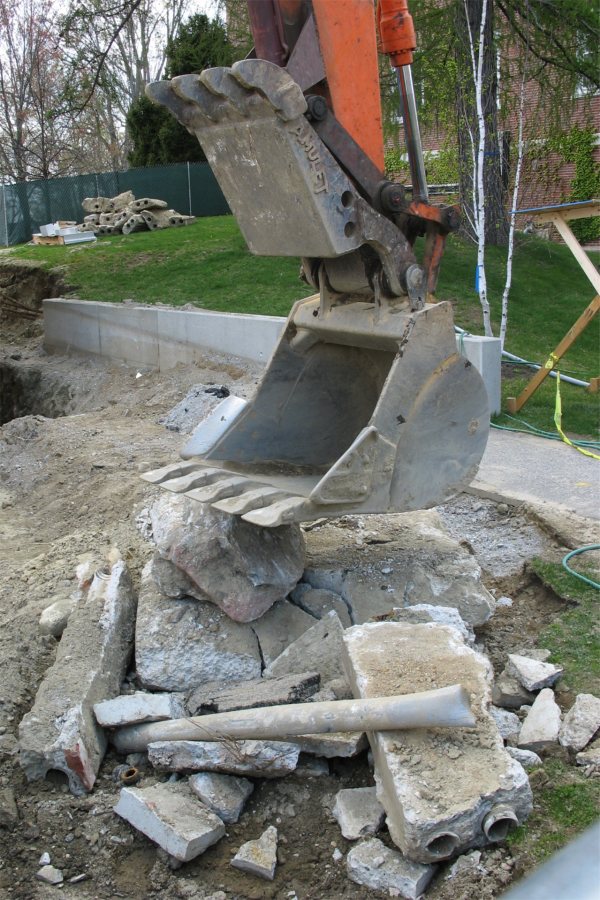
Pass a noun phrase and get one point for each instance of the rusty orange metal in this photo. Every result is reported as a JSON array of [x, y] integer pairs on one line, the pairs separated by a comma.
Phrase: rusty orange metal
[[396, 31], [347, 37]]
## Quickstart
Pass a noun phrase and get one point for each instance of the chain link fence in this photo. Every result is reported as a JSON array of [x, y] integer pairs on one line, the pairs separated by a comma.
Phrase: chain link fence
[[190, 188]]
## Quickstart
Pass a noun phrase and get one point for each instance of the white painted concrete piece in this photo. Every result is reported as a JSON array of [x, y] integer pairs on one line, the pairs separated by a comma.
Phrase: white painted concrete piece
[[138, 707], [358, 812], [375, 866], [259, 857]]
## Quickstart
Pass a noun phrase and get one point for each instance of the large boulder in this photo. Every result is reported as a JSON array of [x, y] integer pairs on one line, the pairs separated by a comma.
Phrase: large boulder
[[242, 568]]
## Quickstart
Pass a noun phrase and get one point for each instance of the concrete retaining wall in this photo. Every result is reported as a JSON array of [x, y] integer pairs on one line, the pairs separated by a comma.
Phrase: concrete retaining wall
[[161, 337]]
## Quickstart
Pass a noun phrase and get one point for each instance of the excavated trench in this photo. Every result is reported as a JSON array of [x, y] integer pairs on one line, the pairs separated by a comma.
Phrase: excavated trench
[[26, 390]]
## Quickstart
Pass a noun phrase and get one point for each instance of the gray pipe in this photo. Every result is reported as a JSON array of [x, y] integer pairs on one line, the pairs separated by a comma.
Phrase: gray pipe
[[445, 707]]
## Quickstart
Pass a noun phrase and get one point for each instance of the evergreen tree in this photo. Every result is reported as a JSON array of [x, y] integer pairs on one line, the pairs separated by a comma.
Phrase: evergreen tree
[[157, 138]]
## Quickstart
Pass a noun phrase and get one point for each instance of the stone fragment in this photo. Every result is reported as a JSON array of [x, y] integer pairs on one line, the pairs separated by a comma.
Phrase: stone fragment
[[317, 650], [343, 744], [443, 793], [9, 814], [171, 581], [358, 812], [60, 732], [181, 644], [50, 875], [590, 756], [532, 673], [171, 817], [469, 862], [44, 859], [527, 758], [279, 627], [129, 709], [409, 559], [258, 759], [581, 722], [219, 696], [225, 795], [240, 567], [510, 693], [54, 618], [259, 857], [425, 612], [539, 653], [318, 602], [541, 727], [375, 866], [508, 723]]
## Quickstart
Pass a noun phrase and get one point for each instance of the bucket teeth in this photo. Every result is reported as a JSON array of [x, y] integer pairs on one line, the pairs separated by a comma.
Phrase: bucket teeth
[[175, 470], [211, 109], [282, 512], [226, 487], [162, 93], [220, 82], [202, 476], [249, 500], [274, 83]]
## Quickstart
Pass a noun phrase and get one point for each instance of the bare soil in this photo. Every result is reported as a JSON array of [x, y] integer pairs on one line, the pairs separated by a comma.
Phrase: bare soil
[[76, 435]]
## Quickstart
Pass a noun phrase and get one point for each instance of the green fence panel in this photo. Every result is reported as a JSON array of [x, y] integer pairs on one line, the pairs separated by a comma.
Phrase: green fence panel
[[189, 188]]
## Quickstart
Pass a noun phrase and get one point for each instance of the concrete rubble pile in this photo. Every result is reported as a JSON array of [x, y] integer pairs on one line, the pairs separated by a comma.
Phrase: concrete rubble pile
[[233, 617], [124, 214]]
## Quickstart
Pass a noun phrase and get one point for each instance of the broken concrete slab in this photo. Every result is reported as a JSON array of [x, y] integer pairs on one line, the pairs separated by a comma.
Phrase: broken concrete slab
[[171, 817], [318, 602], [225, 795], [541, 727], [509, 724], [242, 568], [358, 812], [279, 627], [344, 744], [375, 866], [317, 650], [60, 732], [181, 644], [443, 791], [581, 722], [54, 617], [219, 696], [140, 706], [403, 560], [509, 693], [533, 674], [527, 758], [257, 759], [444, 615], [259, 857]]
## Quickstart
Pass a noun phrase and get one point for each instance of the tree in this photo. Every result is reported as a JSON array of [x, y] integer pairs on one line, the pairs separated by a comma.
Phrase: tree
[[156, 136]]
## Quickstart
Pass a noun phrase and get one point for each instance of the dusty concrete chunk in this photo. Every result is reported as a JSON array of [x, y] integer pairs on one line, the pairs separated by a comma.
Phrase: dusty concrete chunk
[[375, 866], [259, 759], [527, 758], [171, 817], [425, 612], [403, 560], [317, 650], [358, 812], [180, 644], [510, 693], [61, 732], [9, 814], [542, 723], [590, 756], [441, 790], [532, 673], [219, 696], [54, 618], [336, 744], [241, 568], [318, 602], [225, 795], [138, 707], [279, 627], [581, 722], [259, 857], [508, 723]]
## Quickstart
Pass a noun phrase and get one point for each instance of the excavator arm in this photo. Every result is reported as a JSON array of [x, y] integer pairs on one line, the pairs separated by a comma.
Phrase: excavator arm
[[365, 405]]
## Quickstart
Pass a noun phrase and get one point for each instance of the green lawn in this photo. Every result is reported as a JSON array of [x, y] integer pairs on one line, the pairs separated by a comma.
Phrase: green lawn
[[208, 264]]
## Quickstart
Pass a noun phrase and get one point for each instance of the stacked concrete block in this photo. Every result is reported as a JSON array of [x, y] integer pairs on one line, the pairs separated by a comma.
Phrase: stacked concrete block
[[444, 790], [124, 214], [61, 731]]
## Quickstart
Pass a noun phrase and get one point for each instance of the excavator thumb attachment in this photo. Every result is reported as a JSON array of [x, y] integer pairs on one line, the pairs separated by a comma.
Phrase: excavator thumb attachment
[[366, 406]]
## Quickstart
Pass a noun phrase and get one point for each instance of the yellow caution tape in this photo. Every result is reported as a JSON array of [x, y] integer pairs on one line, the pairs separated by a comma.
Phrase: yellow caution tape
[[558, 422]]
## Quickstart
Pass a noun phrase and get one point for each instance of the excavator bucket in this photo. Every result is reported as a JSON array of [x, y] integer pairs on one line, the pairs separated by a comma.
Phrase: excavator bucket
[[365, 406]]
